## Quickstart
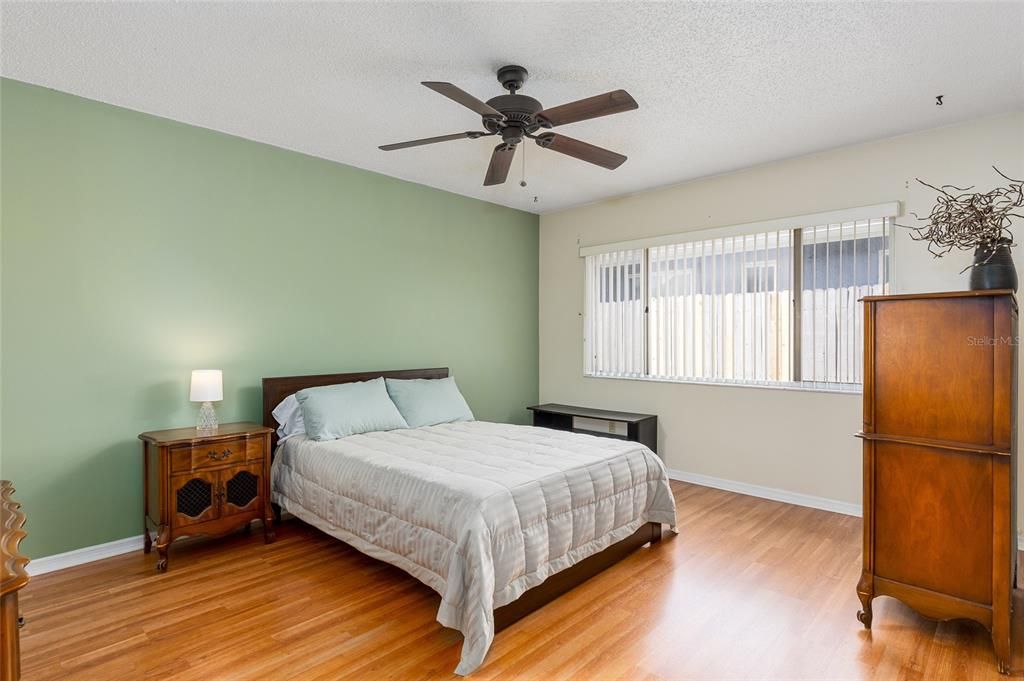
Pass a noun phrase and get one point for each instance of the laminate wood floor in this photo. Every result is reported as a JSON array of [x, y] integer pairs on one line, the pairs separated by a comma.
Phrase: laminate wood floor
[[749, 589]]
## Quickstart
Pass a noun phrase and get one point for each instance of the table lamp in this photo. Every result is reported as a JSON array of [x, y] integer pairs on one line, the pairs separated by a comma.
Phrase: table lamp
[[207, 387]]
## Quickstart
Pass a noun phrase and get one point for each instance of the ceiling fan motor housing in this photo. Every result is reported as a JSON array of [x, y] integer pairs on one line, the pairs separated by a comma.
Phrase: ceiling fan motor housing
[[520, 113]]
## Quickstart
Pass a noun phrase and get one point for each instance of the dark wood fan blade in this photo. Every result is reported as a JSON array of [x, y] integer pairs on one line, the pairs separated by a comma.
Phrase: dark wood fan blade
[[609, 103], [501, 161], [464, 98], [473, 134], [581, 150]]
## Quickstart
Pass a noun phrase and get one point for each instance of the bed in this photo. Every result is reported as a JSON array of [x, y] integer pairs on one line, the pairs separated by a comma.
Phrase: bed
[[499, 519]]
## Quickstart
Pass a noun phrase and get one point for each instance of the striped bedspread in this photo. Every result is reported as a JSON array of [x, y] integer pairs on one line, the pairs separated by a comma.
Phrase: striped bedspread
[[478, 511]]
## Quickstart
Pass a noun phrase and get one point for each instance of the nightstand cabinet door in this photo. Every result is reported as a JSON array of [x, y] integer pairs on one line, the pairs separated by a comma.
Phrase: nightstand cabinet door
[[240, 487], [194, 497]]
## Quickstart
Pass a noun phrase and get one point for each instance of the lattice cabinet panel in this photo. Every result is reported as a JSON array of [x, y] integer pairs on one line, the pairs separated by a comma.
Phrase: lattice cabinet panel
[[195, 497], [241, 488]]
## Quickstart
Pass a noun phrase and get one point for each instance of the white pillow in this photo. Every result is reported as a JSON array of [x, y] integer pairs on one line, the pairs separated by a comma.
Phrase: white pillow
[[428, 401], [331, 412], [289, 415]]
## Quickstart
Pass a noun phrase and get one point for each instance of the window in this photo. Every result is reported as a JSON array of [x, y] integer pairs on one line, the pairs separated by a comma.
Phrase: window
[[769, 307]]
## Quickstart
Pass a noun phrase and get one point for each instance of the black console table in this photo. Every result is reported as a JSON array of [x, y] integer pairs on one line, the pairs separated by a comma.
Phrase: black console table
[[642, 428]]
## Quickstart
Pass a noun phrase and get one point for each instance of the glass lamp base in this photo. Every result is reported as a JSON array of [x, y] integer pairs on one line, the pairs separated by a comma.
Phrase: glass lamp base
[[207, 419]]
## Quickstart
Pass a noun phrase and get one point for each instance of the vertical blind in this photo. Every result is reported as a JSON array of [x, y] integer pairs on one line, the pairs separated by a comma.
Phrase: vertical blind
[[615, 295], [772, 307], [841, 263], [718, 307]]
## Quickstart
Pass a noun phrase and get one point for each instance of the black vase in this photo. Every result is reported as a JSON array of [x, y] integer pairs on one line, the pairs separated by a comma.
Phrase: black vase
[[993, 269]]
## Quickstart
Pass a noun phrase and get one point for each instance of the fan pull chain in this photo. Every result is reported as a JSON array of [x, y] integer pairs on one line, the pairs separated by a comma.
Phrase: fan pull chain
[[522, 182]]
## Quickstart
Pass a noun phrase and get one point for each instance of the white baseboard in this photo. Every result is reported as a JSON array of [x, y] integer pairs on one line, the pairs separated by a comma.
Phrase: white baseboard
[[772, 493], [86, 554]]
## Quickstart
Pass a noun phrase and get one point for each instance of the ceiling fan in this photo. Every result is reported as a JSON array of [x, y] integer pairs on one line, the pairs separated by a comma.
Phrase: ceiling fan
[[515, 116]]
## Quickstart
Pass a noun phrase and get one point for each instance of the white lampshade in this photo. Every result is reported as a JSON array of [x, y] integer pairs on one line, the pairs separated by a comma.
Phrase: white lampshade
[[207, 386]]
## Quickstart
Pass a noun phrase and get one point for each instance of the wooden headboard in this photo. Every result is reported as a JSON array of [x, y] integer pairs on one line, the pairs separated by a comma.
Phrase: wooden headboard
[[280, 387]]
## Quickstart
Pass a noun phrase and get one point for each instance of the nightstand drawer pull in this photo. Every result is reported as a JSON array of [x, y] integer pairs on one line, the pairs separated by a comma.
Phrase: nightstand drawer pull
[[223, 456]]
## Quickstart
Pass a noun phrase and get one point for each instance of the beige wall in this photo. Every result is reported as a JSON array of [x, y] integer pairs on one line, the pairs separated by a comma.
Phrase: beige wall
[[797, 441]]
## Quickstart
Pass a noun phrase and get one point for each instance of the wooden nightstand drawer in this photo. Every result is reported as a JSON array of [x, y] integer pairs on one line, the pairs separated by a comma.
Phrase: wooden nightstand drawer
[[188, 458], [223, 453], [254, 449]]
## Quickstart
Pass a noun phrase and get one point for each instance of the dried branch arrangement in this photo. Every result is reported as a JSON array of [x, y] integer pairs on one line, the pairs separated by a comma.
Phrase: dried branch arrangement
[[965, 220]]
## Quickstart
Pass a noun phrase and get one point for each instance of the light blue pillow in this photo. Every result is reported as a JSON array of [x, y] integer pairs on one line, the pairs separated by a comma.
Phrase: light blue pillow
[[429, 401], [335, 411]]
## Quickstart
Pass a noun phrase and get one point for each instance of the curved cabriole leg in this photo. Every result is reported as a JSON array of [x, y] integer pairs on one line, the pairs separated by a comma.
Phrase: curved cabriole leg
[[163, 540], [147, 541], [865, 593]]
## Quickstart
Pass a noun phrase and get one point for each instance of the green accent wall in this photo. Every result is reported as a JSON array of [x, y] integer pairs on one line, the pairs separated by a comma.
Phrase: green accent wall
[[135, 249]]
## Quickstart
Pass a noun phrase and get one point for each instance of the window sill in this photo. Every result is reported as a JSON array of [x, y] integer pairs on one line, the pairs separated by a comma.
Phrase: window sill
[[794, 387]]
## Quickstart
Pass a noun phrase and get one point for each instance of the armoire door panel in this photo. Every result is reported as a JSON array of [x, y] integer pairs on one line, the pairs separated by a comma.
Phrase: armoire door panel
[[933, 369], [933, 519]]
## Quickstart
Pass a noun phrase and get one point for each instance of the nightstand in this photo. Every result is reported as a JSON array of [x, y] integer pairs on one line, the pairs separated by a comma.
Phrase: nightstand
[[205, 484]]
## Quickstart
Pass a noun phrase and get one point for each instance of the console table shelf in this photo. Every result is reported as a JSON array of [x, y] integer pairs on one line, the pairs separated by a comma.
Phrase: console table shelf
[[642, 428]]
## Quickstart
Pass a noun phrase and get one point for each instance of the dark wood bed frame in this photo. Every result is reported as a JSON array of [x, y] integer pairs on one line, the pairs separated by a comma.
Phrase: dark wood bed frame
[[276, 389]]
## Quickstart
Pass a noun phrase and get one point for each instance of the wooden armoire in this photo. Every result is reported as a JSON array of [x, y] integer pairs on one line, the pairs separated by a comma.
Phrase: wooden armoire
[[940, 393]]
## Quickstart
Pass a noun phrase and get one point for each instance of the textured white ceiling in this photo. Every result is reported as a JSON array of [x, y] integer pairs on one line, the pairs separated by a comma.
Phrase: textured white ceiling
[[720, 86]]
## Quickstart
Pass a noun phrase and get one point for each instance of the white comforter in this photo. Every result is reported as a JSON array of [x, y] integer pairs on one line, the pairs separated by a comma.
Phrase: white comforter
[[480, 512]]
